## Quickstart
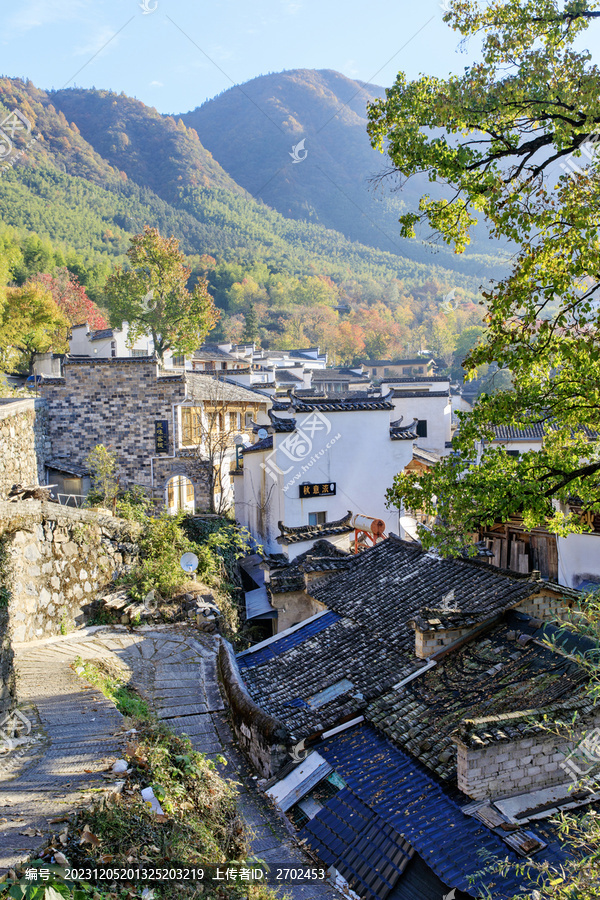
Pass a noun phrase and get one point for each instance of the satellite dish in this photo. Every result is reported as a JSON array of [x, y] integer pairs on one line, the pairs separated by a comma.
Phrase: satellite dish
[[189, 562], [262, 434], [238, 440]]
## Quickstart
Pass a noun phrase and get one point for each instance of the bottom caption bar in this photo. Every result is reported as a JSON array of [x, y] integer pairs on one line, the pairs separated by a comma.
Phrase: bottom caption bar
[[273, 874]]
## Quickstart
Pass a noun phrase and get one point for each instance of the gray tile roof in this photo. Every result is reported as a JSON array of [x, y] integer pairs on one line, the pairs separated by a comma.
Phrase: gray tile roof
[[365, 637], [285, 375], [101, 335], [213, 352], [297, 533], [340, 403], [399, 393], [280, 425], [265, 444], [207, 387], [390, 583], [399, 432], [323, 556], [484, 691]]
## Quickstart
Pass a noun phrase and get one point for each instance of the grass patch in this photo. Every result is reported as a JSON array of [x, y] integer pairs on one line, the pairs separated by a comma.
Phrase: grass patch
[[112, 684]]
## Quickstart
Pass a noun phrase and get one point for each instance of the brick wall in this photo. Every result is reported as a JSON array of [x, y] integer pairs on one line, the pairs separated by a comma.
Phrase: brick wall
[[116, 402], [429, 642], [545, 606], [24, 443], [515, 767]]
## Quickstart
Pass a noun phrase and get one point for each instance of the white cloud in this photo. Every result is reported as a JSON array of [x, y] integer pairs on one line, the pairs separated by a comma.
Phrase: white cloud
[[37, 13], [156, 84], [97, 42]]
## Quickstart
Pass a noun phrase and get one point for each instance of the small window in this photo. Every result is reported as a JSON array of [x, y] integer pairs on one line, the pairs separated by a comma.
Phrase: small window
[[422, 428], [138, 353], [179, 361], [514, 453], [223, 365], [374, 371], [209, 366], [317, 518], [249, 419]]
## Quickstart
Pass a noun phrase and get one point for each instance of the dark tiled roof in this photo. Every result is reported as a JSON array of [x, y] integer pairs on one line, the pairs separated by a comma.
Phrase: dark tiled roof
[[212, 351], [102, 334], [388, 585], [294, 534], [411, 379], [265, 444], [399, 393], [488, 677], [410, 800], [337, 375], [535, 431], [323, 556], [286, 375], [274, 649], [211, 387], [344, 650], [340, 403], [281, 425], [68, 467], [417, 360], [399, 432], [371, 643], [281, 405]]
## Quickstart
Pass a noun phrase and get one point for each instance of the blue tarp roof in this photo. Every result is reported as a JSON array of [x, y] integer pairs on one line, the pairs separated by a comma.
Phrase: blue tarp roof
[[402, 792], [286, 642]]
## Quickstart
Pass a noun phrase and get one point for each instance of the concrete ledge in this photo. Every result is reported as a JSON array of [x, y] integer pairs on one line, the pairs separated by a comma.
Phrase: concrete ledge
[[11, 407]]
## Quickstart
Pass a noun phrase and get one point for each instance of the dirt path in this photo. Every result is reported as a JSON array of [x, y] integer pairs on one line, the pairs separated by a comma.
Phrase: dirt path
[[75, 734]]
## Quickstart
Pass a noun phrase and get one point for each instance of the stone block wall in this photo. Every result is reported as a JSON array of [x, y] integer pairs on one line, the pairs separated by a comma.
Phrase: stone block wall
[[430, 642], [547, 607], [56, 559], [506, 769], [116, 402], [263, 739], [24, 443]]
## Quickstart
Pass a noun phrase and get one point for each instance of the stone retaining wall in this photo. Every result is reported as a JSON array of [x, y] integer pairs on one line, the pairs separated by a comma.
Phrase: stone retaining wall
[[56, 559], [24, 443], [264, 739]]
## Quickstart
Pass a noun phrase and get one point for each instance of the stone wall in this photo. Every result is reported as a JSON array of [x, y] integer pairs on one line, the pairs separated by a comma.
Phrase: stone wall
[[509, 768], [116, 402], [56, 559], [546, 606], [263, 739], [24, 443]]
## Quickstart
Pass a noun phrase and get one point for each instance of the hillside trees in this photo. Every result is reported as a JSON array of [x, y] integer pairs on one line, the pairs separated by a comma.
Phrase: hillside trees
[[152, 296], [516, 138], [30, 323], [71, 298]]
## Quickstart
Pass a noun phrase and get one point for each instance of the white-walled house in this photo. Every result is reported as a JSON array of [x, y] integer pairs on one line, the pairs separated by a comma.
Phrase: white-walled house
[[318, 460], [112, 343], [429, 403]]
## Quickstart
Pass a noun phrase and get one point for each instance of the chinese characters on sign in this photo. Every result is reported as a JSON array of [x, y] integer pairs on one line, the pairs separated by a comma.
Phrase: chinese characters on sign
[[161, 436], [317, 490]]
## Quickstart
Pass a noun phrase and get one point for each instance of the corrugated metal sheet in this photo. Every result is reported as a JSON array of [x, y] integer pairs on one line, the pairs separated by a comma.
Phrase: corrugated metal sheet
[[299, 781], [276, 648], [367, 852], [405, 796], [258, 604]]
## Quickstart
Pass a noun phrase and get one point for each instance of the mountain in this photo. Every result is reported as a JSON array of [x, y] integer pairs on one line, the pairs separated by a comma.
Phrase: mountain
[[105, 165], [252, 129]]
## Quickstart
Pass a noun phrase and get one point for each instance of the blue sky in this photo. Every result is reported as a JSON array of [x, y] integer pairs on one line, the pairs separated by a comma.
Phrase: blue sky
[[184, 51]]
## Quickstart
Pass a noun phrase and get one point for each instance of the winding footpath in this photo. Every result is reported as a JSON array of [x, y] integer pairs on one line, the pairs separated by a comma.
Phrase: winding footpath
[[76, 734]]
